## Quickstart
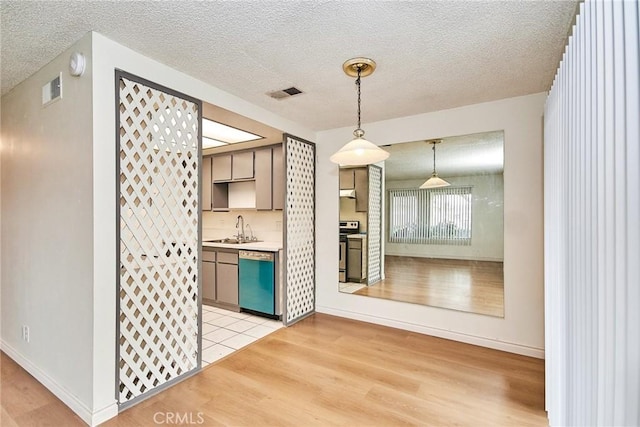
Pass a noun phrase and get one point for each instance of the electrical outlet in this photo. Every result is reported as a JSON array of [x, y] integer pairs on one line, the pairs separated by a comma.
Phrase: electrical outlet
[[25, 333], [278, 225]]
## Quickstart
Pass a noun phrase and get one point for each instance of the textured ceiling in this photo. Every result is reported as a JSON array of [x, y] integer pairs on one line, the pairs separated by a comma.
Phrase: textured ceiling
[[431, 55], [479, 153]]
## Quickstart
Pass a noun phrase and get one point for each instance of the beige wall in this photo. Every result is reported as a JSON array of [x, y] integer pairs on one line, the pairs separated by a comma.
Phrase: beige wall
[[521, 329], [348, 212], [47, 225]]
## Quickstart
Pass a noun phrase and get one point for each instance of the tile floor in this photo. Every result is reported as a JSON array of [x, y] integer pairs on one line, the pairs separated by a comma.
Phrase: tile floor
[[224, 331], [350, 288]]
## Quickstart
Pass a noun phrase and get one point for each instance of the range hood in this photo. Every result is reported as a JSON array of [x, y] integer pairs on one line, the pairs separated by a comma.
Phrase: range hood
[[351, 194]]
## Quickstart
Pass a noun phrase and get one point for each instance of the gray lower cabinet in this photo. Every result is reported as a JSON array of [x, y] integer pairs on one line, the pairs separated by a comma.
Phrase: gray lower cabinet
[[354, 260], [208, 281], [208, 275], [220, 278], [227, 283]]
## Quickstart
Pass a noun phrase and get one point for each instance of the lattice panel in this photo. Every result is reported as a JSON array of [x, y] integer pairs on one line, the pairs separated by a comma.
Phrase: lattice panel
[[300, 235], [374, 225], [159, 211]]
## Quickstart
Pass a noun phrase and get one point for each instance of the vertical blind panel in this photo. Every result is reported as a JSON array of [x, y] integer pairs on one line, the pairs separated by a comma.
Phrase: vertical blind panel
[[431, 216], [592, 210]]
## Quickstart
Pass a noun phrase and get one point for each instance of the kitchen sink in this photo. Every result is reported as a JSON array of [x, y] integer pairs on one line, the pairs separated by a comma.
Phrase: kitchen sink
[[231, 241]]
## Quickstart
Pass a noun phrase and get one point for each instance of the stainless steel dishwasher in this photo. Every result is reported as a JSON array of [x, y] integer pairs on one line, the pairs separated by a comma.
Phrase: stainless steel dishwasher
[[257, 281]]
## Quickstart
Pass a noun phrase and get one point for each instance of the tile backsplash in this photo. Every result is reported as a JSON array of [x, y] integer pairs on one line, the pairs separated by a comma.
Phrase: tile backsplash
[[266, 225]]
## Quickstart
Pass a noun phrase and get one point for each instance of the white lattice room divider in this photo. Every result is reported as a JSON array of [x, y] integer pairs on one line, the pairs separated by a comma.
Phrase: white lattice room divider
[[300, 251], [374, 225], [159, 214]]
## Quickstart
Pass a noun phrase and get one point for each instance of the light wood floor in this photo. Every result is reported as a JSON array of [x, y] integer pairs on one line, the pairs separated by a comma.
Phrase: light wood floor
[[322, 371], [26, 402], [473, 286]]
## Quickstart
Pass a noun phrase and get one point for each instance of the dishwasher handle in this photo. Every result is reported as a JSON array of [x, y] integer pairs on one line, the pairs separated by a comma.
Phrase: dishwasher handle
[[256, 256]]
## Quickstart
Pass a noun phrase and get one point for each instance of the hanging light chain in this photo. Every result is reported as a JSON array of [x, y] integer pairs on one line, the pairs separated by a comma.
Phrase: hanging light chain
[[359, 151], [358, 85], [434, 158]]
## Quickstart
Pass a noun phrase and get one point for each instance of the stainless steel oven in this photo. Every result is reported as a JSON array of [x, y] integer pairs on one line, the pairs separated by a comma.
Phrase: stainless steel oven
[[346, 228]]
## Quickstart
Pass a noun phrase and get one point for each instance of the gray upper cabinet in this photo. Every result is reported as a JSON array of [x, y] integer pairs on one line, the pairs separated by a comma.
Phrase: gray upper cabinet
[[347, 179], [358, 179], [221, 168], [242, 165], [278, 178], [220, 196], [206, 183], [361, 176], [263, 171], [263, 165]]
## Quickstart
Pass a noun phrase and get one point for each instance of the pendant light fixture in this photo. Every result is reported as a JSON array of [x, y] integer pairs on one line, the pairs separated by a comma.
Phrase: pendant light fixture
[[359, 151], [435, 181]]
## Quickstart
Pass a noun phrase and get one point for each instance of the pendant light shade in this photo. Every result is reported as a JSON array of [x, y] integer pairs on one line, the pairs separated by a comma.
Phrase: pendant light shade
[[359, 151], [435, 181]]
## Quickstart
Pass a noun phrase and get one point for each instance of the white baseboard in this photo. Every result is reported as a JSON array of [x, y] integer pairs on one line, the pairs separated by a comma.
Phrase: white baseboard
[[456, 257], [91, 418], [440, 333], [104, 414]]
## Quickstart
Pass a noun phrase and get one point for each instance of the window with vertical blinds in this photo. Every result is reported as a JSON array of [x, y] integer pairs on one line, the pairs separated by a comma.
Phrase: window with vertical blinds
[[440, 216]]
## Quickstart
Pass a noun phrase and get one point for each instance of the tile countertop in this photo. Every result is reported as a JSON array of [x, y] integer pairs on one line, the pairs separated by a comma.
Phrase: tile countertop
[[251, 246]]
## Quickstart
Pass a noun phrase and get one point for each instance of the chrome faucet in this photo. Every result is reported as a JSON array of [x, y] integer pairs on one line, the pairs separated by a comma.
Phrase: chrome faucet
[[252, 237], [240, 223]]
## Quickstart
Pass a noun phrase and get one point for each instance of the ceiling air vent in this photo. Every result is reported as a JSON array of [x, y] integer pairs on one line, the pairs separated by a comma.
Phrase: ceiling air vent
[[284, 93]]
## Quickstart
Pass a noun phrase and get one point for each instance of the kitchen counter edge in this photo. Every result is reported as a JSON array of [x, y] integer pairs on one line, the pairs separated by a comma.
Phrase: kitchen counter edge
[[253, 246]]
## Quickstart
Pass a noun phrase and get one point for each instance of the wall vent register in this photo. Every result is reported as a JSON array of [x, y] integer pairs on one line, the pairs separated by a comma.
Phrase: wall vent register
[[52, 91]]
